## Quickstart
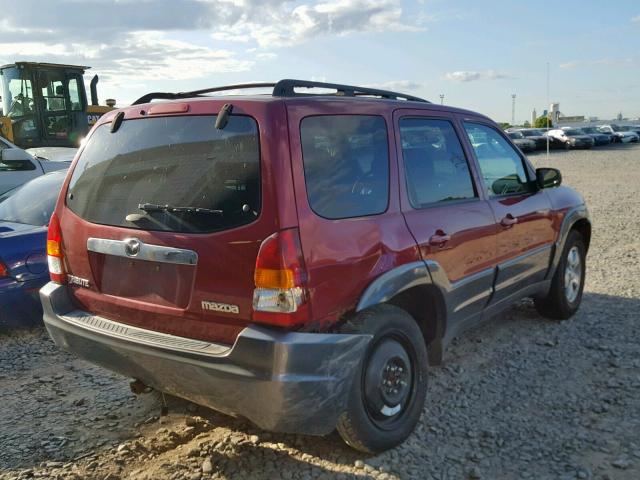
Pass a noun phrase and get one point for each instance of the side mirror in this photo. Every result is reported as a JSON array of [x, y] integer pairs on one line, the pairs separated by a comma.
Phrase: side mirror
[[16, 159], [548, 177], [14, 155]]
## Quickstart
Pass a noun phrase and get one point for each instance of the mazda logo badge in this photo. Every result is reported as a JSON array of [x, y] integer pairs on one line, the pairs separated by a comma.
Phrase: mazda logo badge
[[132, 247]]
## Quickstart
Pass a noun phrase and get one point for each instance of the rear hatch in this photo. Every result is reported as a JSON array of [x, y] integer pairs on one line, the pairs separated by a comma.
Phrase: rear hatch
[[163, 221]]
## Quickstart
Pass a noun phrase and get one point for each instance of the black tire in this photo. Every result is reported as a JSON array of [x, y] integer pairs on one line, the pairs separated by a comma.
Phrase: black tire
[[397, 341], [560, 302], [567, 146]]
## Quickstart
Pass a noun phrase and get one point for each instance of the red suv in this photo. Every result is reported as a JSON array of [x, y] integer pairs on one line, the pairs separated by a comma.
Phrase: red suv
[[300, 258]]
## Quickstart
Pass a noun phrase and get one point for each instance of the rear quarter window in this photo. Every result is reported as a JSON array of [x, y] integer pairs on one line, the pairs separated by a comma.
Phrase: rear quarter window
[[170, 173], [346, 164]]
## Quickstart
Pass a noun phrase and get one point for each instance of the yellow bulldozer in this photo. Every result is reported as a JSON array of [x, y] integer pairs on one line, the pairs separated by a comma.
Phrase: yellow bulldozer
[[45, 104]]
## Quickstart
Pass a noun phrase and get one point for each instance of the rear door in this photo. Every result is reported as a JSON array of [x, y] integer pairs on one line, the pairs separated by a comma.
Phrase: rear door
[[522, 210], [450, 219], [351, 227], [164, 219]]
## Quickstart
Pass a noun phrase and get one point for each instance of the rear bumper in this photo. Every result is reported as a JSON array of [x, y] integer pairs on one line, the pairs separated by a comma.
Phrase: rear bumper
[[281, 381]]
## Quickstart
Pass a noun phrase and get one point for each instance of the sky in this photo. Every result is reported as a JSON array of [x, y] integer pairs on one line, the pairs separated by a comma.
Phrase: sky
[[475, 53]]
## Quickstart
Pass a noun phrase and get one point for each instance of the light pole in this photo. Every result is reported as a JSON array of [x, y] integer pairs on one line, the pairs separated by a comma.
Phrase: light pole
[[442, 99], [513, 109], [548, 139]]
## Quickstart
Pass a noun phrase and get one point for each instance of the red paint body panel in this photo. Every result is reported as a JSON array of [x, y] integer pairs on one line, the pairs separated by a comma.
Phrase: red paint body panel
[[342, 257]]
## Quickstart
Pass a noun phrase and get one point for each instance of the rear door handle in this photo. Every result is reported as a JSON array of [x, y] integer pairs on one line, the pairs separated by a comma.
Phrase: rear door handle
[[439, 239], [509, 220]]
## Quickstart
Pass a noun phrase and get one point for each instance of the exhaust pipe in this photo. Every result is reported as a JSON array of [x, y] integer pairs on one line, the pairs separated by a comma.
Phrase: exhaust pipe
[[94, 90]]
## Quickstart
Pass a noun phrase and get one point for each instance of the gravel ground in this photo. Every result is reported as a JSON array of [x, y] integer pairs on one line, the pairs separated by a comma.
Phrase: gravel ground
[[519, 397]]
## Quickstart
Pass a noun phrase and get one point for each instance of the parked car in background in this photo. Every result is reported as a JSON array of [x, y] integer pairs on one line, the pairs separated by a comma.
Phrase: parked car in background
[[535, 134], [54, 154], [267, 256], [571, 138], [17, 166], [631, 128], [24, 217], [620, 134], [524, 144], [599, 138]]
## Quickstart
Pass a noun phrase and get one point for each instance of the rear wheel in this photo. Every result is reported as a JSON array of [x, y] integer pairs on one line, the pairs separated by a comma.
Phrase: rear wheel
[[389, 389], [565, 294]]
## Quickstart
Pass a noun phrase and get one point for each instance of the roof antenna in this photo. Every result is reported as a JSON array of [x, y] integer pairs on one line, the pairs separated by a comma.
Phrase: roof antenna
[[223, 116]]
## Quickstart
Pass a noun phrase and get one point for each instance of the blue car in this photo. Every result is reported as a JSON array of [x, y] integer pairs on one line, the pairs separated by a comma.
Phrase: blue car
[[24, 215]]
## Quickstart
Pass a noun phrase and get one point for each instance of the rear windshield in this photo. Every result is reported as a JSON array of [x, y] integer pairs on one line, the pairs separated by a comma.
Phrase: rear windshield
[[170, 173], [33, 202]]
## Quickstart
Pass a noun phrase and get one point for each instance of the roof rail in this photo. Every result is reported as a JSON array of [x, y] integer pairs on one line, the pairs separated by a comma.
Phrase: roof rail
[[198, 93], [287, 88]]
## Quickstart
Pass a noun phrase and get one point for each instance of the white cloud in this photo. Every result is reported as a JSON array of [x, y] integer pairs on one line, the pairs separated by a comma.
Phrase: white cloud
[[282, 25], [610, 62], [406, 86], [135, 40], [570, 65], [636, 19], [140, 55], [266, 56], [473, 75], [231, 20]]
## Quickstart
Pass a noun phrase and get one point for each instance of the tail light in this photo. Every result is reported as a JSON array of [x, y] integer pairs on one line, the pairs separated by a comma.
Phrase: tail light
[[4, 271], [280, 296], [55, 256]]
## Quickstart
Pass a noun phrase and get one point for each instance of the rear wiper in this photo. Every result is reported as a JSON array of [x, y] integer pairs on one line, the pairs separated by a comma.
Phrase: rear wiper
[[153, 207]]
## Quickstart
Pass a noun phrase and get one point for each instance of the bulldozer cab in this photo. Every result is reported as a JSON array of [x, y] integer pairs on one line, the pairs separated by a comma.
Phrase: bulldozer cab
[[44, 104]]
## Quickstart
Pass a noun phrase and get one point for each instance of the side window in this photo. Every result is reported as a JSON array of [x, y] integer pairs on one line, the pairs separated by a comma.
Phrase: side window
[[500, 164], [346, 164], [74, 94], [20, 98], [435, 167], [52, 90]]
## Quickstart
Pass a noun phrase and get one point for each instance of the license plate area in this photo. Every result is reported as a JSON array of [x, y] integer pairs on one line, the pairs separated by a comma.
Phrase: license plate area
[[164, 284]]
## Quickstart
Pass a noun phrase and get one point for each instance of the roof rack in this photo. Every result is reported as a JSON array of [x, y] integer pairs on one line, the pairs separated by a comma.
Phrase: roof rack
[[287, 88], [197, 93]]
